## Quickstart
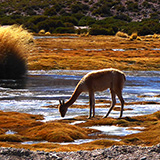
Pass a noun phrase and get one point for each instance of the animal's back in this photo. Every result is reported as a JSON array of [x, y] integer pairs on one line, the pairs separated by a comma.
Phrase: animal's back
[[101, 79]]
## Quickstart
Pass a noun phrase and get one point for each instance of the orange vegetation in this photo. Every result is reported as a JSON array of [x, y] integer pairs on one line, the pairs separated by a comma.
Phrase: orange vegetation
[[95, 52], [51, 54], [27, 128], [14, 45]]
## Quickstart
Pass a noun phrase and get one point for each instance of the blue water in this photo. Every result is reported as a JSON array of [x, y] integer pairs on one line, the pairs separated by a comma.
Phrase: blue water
[[44, 88]]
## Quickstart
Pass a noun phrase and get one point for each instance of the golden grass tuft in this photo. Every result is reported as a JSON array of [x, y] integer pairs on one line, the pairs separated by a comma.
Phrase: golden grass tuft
[[42, 31], [97, 121], [11, 138], [15, 43], [47, 33], [28, 128], [121, 34], [139, 38], [106, 143], [18, 121], [133, 141], [56, 132], [133, 36], [156, 36]]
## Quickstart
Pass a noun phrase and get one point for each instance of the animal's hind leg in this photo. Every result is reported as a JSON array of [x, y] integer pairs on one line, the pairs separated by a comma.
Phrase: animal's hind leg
[[92, 104], [113, 95], [122, 103]]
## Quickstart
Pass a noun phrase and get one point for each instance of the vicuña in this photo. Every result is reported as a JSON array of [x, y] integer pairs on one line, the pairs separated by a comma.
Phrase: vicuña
[[99, 80]]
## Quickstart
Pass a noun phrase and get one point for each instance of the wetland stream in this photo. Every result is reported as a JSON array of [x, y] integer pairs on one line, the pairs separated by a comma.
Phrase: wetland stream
[[42, 89]]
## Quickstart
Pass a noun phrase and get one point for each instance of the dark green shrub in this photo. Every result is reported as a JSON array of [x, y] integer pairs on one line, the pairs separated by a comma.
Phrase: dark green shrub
[[64, 30], [131, 6], [37, 19], [123, 17], [50, 11], [86, 21], [79, 7], [101, 31], [69, 19]]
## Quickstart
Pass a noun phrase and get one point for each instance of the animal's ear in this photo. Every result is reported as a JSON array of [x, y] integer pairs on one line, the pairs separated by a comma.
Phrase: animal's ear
[[60, 102]]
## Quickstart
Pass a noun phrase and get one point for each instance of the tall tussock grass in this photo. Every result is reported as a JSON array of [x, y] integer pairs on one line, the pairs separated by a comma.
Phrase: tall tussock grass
[[15, 42], [121, 34]]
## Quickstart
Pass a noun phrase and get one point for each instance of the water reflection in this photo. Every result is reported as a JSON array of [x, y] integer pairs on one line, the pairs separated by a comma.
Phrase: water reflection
[[53, 37], [118, 131], [44, 88], [13, 83]]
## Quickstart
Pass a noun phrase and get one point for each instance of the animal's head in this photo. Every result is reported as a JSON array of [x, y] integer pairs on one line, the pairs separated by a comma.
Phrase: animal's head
[[62, 108]]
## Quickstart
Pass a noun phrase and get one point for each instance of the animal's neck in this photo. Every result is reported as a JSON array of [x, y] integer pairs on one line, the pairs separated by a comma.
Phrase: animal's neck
[[73, 98]]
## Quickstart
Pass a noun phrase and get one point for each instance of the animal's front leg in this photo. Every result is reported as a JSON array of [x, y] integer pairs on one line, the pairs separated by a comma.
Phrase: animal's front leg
[[92, 104], [113, 95]]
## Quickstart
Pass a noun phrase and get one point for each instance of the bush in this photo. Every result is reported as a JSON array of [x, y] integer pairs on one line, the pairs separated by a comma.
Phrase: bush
[[50, 12], [123, 17], [86, 21], [101, 31], [133, 7], [64, 30], [14, 44], [79, 7]]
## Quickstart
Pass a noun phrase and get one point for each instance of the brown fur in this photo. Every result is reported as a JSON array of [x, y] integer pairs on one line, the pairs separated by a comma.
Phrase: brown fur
[[99, 80]]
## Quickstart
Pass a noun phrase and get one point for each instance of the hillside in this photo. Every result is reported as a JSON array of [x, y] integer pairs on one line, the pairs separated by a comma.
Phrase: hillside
[[76, 11], [135, 9]]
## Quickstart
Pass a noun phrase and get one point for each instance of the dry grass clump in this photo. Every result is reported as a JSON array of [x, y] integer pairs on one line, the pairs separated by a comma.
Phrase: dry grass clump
[[121, 34], [97, 144], [15, 42], [42, 31], [18, 121], [11, 138], [151, 132], [56, 132], [155, 36], [133, 36], [61, 131], [97, 121], [47, 33]]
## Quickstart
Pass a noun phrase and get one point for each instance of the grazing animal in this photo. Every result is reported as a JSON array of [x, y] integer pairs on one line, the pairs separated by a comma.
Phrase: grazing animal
[[99, 80]]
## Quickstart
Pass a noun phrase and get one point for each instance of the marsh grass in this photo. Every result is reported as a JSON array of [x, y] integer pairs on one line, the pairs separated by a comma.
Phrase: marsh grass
[[15, 43], [133, 36], [138, 55], [56, 132], [27, 128], [122, 34], [11, 138]]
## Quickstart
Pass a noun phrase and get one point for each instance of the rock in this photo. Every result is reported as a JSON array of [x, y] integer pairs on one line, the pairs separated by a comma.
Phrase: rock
[[114, 152]]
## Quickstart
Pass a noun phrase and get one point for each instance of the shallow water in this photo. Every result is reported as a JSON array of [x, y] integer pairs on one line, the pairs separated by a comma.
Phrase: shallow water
[[53, 37], [44, 88]]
